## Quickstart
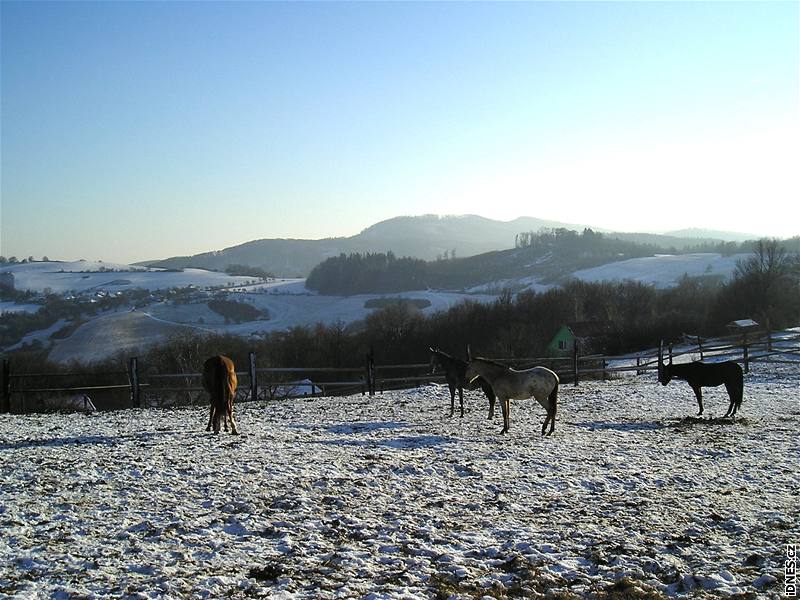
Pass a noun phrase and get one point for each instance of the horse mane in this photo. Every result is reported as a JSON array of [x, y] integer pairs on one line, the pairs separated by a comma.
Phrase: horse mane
[[446, 355], [491, 361]]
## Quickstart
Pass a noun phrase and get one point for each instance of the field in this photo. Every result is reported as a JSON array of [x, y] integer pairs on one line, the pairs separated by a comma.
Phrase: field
[[390, 497], [287, 301]]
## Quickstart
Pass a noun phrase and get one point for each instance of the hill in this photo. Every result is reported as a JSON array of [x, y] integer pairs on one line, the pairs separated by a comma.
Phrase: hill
[[426, 237], [548, 257]]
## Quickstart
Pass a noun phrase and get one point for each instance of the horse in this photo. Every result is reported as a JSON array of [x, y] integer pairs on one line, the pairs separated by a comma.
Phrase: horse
[[455, 373], [219, 380], [539, 382], [699, 375]]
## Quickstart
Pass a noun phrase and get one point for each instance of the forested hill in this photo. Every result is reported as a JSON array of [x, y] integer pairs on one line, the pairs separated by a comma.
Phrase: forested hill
[[424, 237], [549, 255]]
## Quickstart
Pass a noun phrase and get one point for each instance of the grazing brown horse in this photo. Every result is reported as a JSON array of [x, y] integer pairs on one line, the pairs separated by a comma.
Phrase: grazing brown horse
[[219, 380]]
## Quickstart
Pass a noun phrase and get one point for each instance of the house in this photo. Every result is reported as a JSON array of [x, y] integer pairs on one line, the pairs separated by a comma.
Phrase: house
[[589, 335]]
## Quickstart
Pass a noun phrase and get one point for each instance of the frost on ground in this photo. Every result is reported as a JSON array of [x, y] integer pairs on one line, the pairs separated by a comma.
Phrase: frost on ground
[[389, 497]]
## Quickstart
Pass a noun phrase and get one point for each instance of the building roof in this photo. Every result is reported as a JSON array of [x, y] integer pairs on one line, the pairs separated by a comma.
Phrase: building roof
[[588, 329], [743, 324]]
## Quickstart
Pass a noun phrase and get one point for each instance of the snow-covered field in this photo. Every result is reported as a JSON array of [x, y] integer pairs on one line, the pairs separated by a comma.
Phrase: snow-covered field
[[388, 497], [81, 276], [664, 270]]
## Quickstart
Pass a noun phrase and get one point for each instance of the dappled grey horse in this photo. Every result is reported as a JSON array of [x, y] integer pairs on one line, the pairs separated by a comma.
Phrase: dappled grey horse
[[539, 382]]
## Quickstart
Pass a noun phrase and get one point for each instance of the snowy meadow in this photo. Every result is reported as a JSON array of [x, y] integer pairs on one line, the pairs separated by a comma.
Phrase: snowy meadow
[[390, 497]]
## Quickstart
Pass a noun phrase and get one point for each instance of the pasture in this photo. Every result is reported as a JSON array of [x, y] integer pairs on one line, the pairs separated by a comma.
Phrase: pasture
[[390, 497]]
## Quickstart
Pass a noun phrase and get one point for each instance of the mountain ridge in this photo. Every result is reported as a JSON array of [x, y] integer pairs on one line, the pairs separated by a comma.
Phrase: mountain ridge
[[427, 237]]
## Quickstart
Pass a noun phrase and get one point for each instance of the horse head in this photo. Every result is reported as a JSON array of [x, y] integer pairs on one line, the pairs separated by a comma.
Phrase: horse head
[[434, 362], [664, 371]]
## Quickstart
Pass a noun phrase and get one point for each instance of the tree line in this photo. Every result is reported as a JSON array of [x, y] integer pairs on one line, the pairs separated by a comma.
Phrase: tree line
[[547, 254], [765, 287]]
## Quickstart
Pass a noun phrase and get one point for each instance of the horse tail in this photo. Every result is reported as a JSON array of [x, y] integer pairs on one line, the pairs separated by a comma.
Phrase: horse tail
[[230, 385], [553, 398], [739, 386], [220, 393]]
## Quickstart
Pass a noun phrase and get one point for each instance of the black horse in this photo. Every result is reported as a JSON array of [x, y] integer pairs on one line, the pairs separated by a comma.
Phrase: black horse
[[698, 375], [455, 373]]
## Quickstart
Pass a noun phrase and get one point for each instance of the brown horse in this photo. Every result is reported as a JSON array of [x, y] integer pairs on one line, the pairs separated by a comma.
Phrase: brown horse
[[219, 380]]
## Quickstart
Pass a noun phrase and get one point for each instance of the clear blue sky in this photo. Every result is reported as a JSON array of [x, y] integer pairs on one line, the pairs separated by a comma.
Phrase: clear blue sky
[[142, 130]]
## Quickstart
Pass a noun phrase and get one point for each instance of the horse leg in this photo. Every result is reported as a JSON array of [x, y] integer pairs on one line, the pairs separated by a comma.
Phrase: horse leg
[[461, 399], [732, 395], [234, 430], [505, 404], [210, 416], [553, 398], [452, 397], [699, 394], [551, 418], [489, 392]]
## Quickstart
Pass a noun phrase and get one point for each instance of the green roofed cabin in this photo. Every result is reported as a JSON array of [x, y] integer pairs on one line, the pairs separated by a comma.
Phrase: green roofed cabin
[[588, 334]]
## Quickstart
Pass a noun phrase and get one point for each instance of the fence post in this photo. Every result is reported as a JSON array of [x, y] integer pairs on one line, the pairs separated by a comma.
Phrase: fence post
[[253, 377], [5, 393], [746, 354], [638, 364], [371, 371], [700, 346], [575, 361], [133, 379]]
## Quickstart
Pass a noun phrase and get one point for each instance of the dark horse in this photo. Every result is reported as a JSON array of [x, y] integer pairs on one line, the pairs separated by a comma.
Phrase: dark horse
[[454, 372], [699, 375], [538, 382], [219, 380]]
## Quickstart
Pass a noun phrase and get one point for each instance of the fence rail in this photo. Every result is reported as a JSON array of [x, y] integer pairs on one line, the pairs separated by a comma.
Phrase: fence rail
[[263, 383]]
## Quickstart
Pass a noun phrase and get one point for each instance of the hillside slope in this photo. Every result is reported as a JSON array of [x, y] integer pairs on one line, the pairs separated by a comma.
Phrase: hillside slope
[[426, 237]]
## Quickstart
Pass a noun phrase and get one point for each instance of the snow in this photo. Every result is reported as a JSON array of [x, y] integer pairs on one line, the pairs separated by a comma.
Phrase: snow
[[7, 307], [388, 497], [81, 276], [664, 270], [126, 330]]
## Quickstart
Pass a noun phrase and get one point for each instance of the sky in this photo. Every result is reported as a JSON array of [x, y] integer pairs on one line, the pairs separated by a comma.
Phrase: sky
[[141, 130]]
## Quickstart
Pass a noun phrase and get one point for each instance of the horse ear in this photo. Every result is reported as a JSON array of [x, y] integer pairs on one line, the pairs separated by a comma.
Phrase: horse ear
[[431, 348], [469, 353]]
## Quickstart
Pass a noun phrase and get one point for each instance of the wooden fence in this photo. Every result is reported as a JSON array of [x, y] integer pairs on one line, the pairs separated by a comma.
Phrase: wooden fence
[[27, 392]]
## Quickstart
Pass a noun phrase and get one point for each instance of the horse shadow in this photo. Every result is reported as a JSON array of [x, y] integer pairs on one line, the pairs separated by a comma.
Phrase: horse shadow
[[630, 426], [77, 440]]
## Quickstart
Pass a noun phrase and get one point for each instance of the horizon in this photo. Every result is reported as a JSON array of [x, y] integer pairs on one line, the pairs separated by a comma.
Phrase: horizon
[[138, 131]]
